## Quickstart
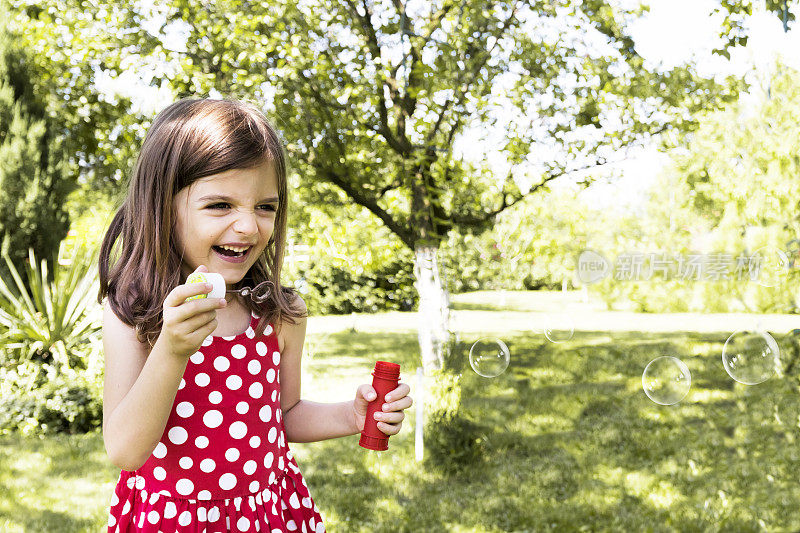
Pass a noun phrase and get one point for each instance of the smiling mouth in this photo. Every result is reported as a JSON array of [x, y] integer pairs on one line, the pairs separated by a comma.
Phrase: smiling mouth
[[230, 253]]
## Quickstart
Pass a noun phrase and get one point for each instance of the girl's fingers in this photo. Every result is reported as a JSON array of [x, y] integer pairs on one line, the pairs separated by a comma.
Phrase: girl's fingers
[[404, 403], [390, 418], [389, 429], [399, 392]]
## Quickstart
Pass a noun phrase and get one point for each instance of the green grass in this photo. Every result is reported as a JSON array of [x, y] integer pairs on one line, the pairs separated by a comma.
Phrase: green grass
[[570, 443]]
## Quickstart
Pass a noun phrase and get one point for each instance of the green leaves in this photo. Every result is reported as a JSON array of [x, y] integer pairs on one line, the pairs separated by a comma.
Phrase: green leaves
[[57, 316]]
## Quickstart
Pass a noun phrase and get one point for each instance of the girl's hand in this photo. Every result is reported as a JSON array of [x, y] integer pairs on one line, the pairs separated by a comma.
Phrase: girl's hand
[[390, 418], [187, 324]]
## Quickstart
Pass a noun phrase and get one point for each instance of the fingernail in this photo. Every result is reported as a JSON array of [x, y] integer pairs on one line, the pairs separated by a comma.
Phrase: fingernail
[[387, 398]]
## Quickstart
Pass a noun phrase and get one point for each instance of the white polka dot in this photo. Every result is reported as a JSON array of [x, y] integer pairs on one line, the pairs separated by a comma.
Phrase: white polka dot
[[238, 351], [233, 382], [159, 473], [212, 418], [111, 521], [265, 413], [291, 526], [307, 503], [222, 364], [208, 340], [185, 518], [231, 454], [186, 462], [242, 407], [261, 348], [170, 511], [215, 397], [126, 508], [256, 390], [276, 358], [271, 375], [255, 441], [114, 499], [197, 358], [320, 528], [207, 465], [184, 486], [153, 517], [272, 435], [238, 430], [254, 486], [274, 395], [254, 367], [294, 501], [227, 481], [250, 334], [213, 514], [182, 384], [178, 435], [249, 467], [268, 330], [202, 379], [203, 495], [268, 460], [201, 442], [161, 451], [201, 511], [243, 524], [184, 409]]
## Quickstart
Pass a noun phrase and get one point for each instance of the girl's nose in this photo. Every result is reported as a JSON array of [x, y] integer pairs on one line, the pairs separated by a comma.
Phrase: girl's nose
[[246, 222]]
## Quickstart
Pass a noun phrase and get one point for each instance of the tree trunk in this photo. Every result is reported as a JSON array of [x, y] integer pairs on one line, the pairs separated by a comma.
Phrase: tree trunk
[[433, 307]]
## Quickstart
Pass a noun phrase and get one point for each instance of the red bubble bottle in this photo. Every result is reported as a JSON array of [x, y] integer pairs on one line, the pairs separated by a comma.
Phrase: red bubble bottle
[[385, 378]]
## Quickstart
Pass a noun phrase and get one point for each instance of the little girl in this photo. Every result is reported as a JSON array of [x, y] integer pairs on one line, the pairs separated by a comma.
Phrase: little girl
[[202, 395]]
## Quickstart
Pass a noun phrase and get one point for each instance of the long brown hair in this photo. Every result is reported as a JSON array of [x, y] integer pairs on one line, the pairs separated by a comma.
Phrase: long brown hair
[[188, 140]]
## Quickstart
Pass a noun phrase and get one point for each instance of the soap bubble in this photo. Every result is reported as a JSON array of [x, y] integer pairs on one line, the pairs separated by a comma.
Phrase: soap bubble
[[769, 266], [558, 327], [666, 380], [489, 357], [750, 357]]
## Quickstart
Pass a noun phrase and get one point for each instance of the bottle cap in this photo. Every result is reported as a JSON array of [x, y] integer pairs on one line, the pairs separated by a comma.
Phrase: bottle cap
[[386, 370]]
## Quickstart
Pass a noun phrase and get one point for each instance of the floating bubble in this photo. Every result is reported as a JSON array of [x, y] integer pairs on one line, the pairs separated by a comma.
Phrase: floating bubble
[[489, 357], [558, 327], [750, 357], [666, 380], [769, 266]]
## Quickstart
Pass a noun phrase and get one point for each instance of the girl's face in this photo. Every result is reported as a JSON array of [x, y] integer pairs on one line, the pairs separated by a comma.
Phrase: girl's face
[[235, 208]]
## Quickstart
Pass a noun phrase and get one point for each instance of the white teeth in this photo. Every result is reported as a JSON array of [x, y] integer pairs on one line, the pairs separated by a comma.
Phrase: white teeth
[[234, 249]]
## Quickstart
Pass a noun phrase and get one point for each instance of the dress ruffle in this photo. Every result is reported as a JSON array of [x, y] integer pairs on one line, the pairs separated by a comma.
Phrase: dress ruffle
[[287, 501]]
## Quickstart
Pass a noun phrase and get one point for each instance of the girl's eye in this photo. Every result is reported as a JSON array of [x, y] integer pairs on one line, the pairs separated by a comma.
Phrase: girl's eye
[[222, 205]]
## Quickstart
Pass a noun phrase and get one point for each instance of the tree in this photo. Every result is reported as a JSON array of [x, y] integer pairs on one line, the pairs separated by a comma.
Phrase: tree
[[34, 182], [371, 97]]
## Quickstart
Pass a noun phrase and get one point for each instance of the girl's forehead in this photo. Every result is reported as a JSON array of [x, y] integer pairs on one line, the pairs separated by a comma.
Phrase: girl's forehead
[[261, 179]]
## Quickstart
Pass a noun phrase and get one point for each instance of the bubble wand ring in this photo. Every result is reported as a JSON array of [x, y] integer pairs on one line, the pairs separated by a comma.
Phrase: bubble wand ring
[[259, 294]]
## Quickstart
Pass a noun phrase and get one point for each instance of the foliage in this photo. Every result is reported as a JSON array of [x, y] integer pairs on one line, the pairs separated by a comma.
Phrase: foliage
[[51, 372], [34, 177], [57, 321], [731, 190], [532, 246], [42, 399]]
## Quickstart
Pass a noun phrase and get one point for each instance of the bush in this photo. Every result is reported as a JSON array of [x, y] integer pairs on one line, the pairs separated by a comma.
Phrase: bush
[[40, 399], [51, 373]]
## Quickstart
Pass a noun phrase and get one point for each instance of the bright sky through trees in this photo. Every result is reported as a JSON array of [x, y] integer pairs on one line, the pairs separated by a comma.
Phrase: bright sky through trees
[[674, 31]]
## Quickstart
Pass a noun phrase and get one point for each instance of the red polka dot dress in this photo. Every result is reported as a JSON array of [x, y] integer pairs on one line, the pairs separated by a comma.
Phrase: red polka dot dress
[[222, 463]]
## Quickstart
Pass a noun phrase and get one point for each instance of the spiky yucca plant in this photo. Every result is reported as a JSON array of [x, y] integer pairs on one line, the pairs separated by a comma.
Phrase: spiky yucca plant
[[58, 320]]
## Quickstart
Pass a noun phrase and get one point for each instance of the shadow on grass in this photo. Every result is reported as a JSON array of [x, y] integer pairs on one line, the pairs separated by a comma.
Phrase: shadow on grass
[[574, 444]]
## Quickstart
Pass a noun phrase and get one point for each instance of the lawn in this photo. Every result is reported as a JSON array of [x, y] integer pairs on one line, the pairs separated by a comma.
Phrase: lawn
[[568, 440]]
